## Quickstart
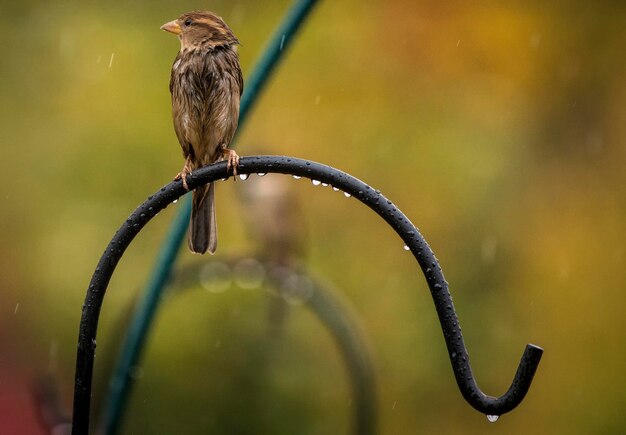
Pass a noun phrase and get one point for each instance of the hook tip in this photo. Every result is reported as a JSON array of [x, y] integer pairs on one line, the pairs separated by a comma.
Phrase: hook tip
[[534, 352]]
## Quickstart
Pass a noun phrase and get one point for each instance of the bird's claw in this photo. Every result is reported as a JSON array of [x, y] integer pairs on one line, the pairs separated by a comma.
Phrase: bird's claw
[[232, 160], [183, 174]]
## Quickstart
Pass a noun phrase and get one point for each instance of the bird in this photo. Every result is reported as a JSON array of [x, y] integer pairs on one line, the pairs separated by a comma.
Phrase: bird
[[206, 84]]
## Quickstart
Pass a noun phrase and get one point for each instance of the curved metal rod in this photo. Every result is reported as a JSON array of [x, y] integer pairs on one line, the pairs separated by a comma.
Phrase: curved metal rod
[[342, 327], [335, 316], [325, 174]]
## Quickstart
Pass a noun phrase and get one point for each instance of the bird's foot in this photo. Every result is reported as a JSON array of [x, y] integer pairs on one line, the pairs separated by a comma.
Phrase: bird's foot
[[232, 160], [183, 174]]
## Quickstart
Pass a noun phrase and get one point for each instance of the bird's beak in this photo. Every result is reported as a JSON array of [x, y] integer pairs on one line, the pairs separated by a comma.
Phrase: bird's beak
[[172, 27]]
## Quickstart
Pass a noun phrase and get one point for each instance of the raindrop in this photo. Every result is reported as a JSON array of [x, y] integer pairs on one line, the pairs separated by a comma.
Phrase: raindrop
[[406, 248], [136, 372], [488, 249], [243, 177], [493, 418], [346, 194], [54, 352], [316, 182], [175, 201], [335, 188], [262, 174], [297, 177], [325, 184]]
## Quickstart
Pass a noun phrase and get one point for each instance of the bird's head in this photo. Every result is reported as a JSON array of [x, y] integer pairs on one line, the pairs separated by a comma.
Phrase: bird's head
[[201, 29]]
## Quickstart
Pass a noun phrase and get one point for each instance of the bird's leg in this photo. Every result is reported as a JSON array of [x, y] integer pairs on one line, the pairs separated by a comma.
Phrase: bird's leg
[[232, 159], [183, 174]]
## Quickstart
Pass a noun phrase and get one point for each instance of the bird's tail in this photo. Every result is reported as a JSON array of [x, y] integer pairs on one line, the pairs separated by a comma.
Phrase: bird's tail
[[203, 227]]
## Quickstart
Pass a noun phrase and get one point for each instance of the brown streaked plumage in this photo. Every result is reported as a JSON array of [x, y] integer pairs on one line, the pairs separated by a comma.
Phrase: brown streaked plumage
[[206, 86]]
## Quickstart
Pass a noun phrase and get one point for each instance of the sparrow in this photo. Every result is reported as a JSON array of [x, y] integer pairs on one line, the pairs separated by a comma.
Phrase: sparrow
[[206, 85]]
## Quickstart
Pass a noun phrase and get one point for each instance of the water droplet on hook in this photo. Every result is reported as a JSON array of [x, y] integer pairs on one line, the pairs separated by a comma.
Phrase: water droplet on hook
[[297, 177], [243, 177], [175, 201], [335, 188], [316, 182], [249, 274], [325, 184], [215, 277], [297, 289], [346, 194], [406, 248], [262, 174], [493, 418]]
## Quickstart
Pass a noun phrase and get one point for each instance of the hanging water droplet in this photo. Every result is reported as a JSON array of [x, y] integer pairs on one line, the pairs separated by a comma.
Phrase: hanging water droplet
[[297, 289], [325, 184], [335, 188], [406, 248], [297, 177], [175, 201], [316, 182], [493, 418], [215, 277], [346, 194], [262, 174], [243, 177], [249, 274]]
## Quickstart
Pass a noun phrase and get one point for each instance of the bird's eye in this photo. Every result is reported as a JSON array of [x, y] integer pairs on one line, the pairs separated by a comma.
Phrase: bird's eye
[[188, 22]]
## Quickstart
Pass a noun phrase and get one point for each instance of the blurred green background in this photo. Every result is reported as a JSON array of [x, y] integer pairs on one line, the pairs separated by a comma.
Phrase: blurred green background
[[500, 131]]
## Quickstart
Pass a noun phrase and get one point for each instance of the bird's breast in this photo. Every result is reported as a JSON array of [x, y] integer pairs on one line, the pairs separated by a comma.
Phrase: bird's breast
[[205, 103]]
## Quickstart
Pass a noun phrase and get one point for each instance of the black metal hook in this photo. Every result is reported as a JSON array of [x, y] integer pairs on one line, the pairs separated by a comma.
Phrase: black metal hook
[[325, 174]]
